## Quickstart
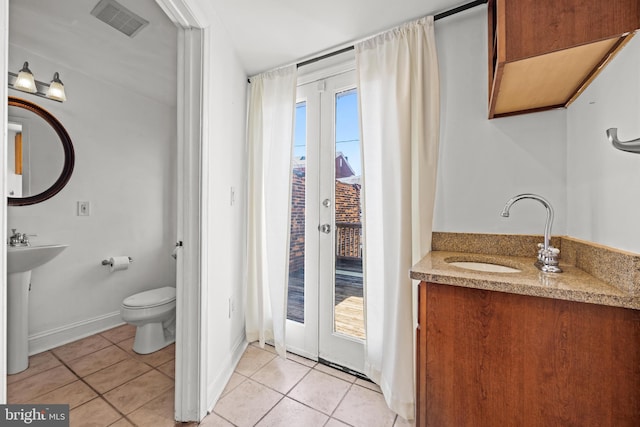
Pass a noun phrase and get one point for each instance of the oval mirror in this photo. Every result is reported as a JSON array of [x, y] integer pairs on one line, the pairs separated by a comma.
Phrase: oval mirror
[[40, 154]]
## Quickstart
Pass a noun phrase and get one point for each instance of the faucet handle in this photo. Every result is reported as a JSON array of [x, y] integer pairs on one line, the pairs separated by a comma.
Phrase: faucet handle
[[16, 238], [550, 251], [549, 260]]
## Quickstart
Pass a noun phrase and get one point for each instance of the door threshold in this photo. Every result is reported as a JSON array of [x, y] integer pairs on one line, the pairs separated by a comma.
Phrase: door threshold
[[329, 364], [344, 369]]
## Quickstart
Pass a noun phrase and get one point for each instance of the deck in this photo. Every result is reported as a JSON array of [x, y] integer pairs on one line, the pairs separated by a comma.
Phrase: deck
[[349, 301]]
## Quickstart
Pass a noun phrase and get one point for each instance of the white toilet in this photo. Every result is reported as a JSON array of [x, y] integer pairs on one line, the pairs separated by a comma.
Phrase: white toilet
[[153, 312]]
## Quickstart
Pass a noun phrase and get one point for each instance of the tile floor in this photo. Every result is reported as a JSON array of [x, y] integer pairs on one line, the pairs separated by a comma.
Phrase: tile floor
[[267, 391], [107, 384], [104, 382]]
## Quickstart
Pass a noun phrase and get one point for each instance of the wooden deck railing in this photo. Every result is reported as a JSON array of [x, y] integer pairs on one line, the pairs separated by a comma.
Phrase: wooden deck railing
[[349, 240]]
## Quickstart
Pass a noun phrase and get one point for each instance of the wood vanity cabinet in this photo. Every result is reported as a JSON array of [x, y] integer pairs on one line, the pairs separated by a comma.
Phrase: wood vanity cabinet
[[544, 53], [491, 359]]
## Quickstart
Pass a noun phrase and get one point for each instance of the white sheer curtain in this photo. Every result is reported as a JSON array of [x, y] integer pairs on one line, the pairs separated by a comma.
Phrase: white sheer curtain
[[398, 84], [272, 103]]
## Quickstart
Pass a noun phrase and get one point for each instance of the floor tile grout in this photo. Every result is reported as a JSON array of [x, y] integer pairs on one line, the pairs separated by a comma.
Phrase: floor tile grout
[[97, 395], [47, 370], [281, 396], [271, 409], [315, 367], [340, 402]]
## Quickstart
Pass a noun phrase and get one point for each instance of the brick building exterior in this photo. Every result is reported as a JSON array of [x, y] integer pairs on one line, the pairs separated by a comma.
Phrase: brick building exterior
[[296, 244], [348, 215], [348, 221]]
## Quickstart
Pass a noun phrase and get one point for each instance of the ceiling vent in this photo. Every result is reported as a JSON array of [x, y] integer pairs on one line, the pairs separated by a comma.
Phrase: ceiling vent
[[119, 17]]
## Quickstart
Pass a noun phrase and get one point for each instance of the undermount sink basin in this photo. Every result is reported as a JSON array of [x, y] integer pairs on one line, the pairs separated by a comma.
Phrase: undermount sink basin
[[484, 266], [26, 258]]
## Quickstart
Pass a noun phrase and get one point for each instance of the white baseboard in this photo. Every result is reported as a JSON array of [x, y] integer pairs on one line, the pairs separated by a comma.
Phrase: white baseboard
[[215, 389], [56, 337]]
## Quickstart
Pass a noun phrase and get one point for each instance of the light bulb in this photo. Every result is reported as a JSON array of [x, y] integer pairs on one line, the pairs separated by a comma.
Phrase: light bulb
[[25, 81], [56, 89]]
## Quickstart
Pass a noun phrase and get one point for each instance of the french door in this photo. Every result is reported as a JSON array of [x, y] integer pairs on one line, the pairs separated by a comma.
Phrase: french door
[[325, 315]]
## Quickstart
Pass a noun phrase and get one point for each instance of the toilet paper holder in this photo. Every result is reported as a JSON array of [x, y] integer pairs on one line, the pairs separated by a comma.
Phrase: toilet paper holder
[[108, 262]]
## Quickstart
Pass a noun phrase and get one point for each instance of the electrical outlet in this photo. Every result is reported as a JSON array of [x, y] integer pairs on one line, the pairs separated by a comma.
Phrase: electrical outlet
[[84, 208], [232, 196]]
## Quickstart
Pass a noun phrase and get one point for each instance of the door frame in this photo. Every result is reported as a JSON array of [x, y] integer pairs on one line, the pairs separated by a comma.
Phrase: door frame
[[4, 40], [317, 73], [191, 344]]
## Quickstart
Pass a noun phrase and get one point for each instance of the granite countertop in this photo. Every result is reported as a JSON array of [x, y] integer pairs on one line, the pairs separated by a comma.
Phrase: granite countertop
[[573, 284]]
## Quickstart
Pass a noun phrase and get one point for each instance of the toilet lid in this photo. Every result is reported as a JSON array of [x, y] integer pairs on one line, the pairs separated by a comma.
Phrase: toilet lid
[[151, 298]]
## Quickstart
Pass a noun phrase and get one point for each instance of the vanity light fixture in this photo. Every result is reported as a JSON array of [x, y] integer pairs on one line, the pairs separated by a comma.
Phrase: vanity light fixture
[[25, 82], [56, 89]]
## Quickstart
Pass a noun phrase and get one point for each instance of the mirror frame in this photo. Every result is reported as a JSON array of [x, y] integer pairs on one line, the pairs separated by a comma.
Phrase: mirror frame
[[67, 146]]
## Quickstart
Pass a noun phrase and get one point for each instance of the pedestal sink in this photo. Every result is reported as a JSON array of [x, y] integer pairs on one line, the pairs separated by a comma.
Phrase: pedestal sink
[[21, 260]]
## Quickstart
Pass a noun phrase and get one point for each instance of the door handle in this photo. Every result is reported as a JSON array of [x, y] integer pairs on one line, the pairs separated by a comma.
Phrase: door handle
[[175, 251], [325, 228]]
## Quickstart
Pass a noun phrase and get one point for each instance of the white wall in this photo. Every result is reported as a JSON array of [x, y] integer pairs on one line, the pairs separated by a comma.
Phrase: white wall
[[484, 162], [225, 139], [604, 183], [125, 167]]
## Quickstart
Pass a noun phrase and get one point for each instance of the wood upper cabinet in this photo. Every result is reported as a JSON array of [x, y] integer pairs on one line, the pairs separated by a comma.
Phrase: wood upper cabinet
[[544, 53]]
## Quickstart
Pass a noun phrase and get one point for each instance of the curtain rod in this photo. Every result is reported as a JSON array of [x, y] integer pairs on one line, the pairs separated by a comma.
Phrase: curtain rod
[[436, 17]]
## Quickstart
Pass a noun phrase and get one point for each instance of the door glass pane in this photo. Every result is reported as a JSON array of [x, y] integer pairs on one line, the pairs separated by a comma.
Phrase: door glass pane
[[348, 289], [295, 297]]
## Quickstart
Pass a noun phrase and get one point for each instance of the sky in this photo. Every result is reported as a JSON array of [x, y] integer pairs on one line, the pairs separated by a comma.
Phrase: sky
[[347, 136]]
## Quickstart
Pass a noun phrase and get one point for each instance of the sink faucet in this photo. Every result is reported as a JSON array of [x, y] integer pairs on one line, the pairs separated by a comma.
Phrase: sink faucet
[[547, 254], [18, 239]]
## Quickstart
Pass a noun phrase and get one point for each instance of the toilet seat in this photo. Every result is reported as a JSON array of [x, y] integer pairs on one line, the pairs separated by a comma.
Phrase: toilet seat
[[152, 298]]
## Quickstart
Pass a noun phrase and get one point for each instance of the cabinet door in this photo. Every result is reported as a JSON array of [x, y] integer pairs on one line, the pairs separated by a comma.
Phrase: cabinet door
[[542, 55], [499, 359], [534, 28]]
